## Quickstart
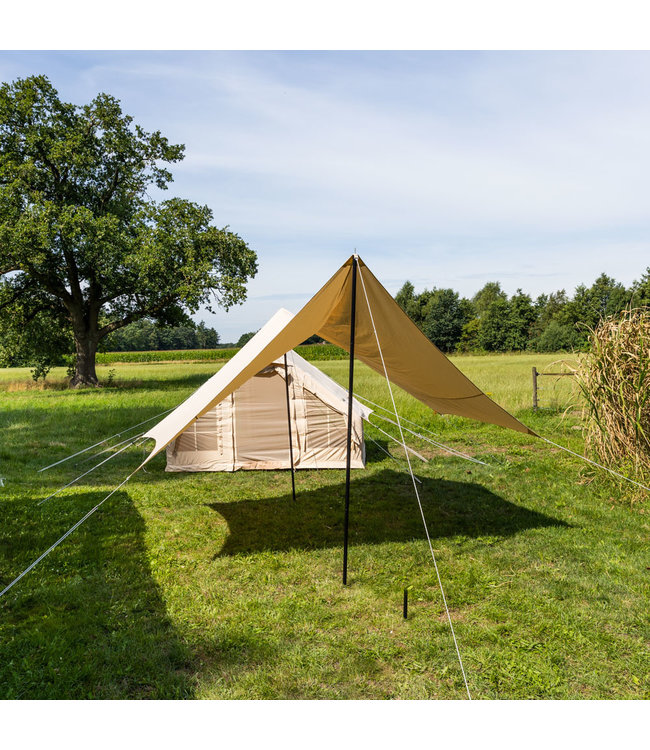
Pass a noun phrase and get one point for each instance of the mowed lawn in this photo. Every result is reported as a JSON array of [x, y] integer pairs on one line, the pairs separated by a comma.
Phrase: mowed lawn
[[220, 586]]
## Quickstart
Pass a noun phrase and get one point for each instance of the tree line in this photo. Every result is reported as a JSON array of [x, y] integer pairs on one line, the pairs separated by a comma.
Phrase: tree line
[[146, 335], [491, 321], [142, 336]]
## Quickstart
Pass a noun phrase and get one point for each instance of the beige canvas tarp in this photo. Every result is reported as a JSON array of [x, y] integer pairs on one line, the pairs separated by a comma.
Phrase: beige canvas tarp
[[249, 429], [412, 361]]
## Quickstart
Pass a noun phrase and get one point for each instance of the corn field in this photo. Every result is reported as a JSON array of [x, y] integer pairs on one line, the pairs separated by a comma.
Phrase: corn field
[[614, 379]]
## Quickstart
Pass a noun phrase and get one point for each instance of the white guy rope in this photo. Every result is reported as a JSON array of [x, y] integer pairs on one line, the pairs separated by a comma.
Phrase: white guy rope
[[415, 487], [81, 476], [105, 440], [394, 439], [388, 411], [390, 455], [420, 427], [109, 448], [410, 421], [589, 461], [65, 536], [444, 447]]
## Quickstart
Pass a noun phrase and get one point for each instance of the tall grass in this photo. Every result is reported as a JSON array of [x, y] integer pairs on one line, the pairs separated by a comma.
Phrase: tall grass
[[614, 379]]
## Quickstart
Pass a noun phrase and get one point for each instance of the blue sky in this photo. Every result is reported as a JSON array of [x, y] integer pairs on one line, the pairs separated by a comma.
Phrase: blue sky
[[445, 168]]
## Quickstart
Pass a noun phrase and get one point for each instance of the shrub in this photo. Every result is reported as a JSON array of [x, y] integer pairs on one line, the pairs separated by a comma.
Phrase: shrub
[[469, 337], [444, 322]]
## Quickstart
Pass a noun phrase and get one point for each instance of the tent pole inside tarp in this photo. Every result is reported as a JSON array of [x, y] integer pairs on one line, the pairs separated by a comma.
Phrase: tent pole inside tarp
[[293, 472], [348, 458]]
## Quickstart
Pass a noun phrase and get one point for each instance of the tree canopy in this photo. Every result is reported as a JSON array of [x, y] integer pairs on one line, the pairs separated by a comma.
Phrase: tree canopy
[[245, 338], [84, 249], [445, 318]]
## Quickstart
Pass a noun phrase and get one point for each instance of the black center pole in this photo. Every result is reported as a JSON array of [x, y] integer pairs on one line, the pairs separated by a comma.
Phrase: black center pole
[[348, 459], [293, 473]]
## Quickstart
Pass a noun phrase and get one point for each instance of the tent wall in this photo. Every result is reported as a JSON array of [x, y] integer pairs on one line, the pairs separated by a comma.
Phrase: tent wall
[[249, 430]]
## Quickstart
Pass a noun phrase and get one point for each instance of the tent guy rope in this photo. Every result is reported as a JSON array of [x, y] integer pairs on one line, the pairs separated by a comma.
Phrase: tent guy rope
[[105, 440], [81, 476], [444, 447], [109, 448], [408, 447], [66, 535], [594, 463], [438, 444], [390, 455], [476, 460], [415, 424], [388, 411], [415, 487]]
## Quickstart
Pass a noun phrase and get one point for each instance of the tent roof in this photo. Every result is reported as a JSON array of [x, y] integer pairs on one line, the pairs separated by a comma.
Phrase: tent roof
[[411, 360], [204, 398]]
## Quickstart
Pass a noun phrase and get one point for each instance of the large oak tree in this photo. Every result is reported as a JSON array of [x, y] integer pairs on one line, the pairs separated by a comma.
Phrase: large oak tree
[[83, 247]]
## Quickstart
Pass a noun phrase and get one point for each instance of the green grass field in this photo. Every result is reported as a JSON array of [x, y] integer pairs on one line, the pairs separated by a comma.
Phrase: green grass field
[[219, 586]]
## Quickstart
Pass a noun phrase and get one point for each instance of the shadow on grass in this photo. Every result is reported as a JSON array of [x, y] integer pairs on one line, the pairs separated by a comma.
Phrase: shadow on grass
[[383, 508], [89, 621], [34, 438]]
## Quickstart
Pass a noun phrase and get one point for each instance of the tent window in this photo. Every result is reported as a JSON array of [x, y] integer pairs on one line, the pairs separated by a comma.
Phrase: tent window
[[203, 436]]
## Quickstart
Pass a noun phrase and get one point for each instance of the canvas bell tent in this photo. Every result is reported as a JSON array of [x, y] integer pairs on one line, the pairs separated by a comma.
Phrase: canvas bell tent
[[289, 415]]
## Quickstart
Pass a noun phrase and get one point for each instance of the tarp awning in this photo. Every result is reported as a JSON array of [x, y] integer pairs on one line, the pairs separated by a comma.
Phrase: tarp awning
[[412, 361]]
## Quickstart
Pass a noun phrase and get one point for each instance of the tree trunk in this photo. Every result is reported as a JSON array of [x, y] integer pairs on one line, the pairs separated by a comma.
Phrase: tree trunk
[[85, 374]]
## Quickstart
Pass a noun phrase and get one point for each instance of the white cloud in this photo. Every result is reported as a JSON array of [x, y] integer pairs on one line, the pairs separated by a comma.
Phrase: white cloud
[[526, 141]]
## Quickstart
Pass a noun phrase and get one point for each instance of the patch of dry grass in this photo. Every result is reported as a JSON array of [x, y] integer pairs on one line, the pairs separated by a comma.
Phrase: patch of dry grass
[[30, 385]]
